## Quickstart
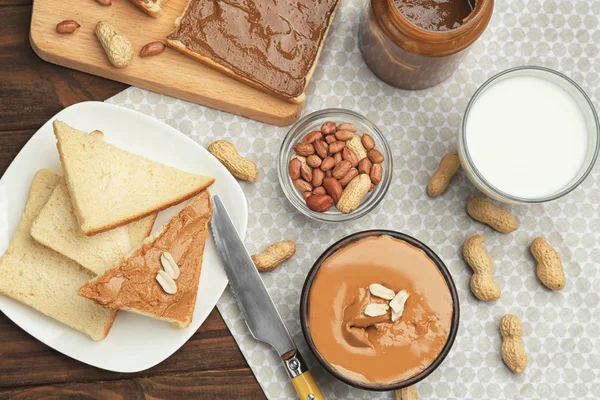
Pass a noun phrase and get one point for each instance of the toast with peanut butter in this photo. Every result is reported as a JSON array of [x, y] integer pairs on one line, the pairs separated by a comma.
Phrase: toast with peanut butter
[[137, 283], [110, 187], [150, 7], [271, 45]]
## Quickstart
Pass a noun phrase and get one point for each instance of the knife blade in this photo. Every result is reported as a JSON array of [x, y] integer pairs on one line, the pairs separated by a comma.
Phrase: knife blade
[[252, 297], [255, 303]]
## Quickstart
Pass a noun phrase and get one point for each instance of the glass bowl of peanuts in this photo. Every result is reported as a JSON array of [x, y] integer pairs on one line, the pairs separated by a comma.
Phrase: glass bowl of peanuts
[[335, 165]]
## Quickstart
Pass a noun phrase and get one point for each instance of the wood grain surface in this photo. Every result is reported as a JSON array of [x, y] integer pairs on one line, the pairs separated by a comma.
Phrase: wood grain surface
[[171, 72], [208, 366]]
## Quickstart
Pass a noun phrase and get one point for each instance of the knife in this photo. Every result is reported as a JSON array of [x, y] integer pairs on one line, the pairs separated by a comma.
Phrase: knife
[[261, 315]]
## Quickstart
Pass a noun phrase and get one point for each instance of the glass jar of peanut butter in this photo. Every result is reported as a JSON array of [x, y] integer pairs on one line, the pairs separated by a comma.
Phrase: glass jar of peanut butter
[[416, 44]]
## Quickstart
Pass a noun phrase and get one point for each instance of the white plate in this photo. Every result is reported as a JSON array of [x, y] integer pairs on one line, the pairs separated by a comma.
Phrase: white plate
[[135, 342]]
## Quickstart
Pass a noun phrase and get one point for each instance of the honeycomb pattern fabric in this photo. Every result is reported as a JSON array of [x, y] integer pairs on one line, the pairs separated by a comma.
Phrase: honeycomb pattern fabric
[[561, 329]]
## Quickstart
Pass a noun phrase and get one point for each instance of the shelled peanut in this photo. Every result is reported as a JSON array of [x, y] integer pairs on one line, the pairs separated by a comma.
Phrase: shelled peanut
[[67, 26], [335, 163]]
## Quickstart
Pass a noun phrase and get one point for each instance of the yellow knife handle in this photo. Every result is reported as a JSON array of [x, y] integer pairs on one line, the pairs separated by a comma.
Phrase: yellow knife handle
[[303, 382], [306, 387]]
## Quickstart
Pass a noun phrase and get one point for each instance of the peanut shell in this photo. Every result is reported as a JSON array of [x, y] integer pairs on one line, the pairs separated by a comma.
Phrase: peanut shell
[[354, 193], [549, 267], [439, 181], [274, 255], [355, 144], [497, 218], [116, 46], [227, 154]]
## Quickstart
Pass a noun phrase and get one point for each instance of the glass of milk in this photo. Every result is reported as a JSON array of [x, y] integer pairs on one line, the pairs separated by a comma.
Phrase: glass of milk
[[529, 135]]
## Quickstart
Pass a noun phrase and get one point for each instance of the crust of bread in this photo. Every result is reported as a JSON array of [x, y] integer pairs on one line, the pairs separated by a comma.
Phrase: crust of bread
[[181, 325], [108, 327], [56, 227], [130, 218], [153, 12], [139, 216], [320, 49], [25, 252], [175, 323], [179, 46]]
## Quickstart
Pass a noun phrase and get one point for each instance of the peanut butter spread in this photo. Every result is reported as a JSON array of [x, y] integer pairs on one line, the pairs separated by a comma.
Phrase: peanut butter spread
[[435, 15], [272, 44], [132, 284], [375, 349]]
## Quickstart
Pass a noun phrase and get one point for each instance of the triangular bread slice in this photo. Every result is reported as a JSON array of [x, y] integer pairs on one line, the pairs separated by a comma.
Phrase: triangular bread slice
[[150, 7], [56, 227], [132, 285], [110, 187], [45, 280], [140, 229], [137, 230]]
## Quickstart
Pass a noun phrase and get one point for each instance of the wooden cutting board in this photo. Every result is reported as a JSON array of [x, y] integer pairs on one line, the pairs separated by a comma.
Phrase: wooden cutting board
[[170, 73]]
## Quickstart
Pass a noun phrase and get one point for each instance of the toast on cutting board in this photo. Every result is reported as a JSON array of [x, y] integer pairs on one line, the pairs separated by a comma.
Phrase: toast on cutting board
[[46, 280], [272, 46], [150, 7], [56, 227], [133, 286], [110, 187]]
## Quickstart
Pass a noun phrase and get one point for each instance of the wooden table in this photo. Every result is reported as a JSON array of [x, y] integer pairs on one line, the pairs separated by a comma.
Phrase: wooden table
[[209, 366]]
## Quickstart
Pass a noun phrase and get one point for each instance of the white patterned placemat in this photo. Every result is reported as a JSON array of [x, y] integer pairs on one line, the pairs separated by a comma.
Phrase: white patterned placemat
[[561, 329]]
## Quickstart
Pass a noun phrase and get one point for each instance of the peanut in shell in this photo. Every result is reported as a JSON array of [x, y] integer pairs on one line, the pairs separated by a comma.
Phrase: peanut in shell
[[354, 193], [497, 218]]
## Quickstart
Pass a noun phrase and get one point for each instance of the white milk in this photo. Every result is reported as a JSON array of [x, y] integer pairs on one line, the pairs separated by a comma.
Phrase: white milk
[[527, 137]]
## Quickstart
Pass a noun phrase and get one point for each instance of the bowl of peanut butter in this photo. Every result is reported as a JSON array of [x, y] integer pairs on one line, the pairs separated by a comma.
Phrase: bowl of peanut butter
[[379, 310]]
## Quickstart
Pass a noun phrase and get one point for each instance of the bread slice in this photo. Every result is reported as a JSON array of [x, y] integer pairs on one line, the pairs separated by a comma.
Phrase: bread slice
[[140, 229], [110, 187], [56, 227], [132, 285], [137, 230], [242, 65], [45, 280], [150, 7]]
